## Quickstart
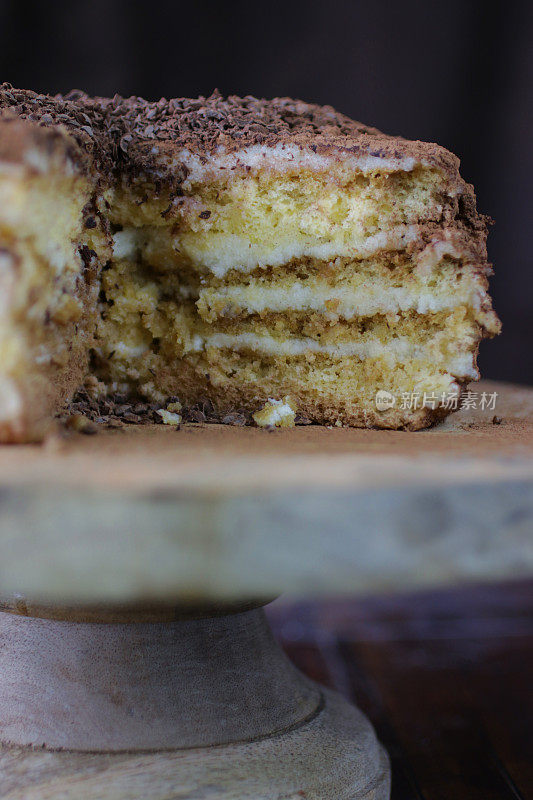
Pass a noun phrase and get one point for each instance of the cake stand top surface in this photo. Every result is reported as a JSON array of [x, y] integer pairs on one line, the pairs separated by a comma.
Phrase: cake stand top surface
[[218, 513]]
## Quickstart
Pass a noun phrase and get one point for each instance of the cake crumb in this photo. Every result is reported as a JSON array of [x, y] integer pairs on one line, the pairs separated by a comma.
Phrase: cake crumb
[[275, 413], [94, 388], [169, 417], [81, 424]]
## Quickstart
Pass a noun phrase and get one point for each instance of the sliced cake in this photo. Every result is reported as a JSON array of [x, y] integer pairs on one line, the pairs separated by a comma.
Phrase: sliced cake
[[247, 250]]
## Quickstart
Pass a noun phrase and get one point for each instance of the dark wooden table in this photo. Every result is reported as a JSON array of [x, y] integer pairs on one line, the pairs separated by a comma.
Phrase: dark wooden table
[[445, 677]]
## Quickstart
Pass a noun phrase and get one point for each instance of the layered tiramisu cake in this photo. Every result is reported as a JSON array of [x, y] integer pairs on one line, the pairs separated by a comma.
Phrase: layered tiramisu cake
[[236, 251]]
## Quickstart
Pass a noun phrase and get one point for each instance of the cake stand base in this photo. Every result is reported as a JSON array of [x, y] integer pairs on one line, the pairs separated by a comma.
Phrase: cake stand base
[[196, 708]]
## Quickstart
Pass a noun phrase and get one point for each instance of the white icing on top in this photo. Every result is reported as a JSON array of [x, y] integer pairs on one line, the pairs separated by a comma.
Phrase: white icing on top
[[282, 158]]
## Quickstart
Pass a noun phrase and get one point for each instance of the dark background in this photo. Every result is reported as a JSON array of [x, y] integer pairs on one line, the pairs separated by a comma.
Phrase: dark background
[[458, 72]]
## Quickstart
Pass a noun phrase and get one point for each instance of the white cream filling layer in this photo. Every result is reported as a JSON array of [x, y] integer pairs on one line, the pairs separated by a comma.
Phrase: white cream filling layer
[[228, 252], [400, 349], [342, 302], [296, 346], [239, 253], [281, 158]]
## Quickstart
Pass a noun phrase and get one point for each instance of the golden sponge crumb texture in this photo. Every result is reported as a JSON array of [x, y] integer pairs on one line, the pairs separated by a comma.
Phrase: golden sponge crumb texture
[[330, 332]]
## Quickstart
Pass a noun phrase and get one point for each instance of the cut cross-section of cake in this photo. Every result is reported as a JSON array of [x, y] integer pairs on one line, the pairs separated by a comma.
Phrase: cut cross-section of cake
[[53, 242], [271, 249]]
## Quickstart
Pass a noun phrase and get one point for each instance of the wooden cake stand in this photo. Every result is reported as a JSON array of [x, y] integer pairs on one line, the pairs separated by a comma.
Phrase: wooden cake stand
[[135, 660]]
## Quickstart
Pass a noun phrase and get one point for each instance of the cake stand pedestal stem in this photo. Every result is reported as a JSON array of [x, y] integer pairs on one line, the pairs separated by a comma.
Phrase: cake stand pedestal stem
[[194, 708]]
